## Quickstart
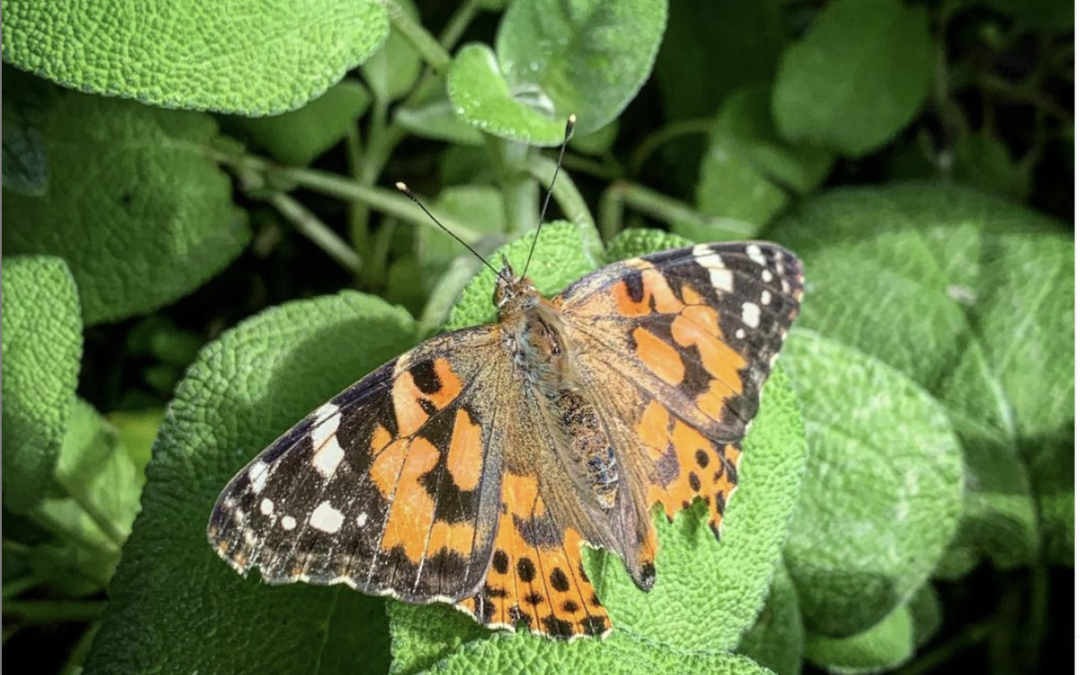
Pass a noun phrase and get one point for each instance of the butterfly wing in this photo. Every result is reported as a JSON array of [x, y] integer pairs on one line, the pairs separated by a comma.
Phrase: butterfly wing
[[678, 345], [390, 487]]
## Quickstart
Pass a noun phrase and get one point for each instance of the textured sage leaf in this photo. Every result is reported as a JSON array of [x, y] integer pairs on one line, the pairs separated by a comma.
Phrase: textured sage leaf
[[883, 491], [884, 646], [135, 207], [776, 638], [393, 70], [174, 605], [857, 77], [588, 58], [980, 300], [251, 57], [298, 137], [619, 653], [42, 349]]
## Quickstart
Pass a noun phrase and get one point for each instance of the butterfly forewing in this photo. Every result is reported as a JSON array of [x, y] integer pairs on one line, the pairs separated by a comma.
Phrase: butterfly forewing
[[387, 488]]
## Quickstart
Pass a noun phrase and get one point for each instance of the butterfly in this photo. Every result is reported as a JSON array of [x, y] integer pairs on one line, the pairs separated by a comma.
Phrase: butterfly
[[471, 469]]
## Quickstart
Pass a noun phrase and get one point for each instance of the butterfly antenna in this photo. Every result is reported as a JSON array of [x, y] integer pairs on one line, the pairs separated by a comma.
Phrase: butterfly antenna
[[409, 193], [547, 198]]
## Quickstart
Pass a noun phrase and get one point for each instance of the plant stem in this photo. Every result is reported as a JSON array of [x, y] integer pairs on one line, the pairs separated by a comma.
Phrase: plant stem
[[354, 153], [77, 656], [459, 21], [521, 202], [664, 208], [42, 612], [18, 586], [309, 225], [389, 202], [665, 135], [565, 192], [430, 49]]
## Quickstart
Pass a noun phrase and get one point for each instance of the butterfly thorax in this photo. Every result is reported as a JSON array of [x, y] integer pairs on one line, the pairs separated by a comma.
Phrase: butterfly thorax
[[534, 337]]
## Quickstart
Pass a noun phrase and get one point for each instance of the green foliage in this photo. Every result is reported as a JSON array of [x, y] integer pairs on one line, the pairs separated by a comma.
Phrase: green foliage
[[298, 137], [881, 51], [917, 432], [42, 345], [135, 207], [551, 59], [242, 391], [276, 57]]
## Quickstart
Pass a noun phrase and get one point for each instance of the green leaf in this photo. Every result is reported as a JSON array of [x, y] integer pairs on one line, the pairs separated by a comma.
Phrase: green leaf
[[102, 483], [712, 48], [436, 120], [776, 638], [980, 312], [589, 59], [298, 137], [696, 576], [598, 142], [392, 71], [619, 653], [173, 604], [483, 98], [637, 242], [258, 58], [983, 161], [747, 171], [884, 646], [926, 614], [135, 207], [42, 348], [857, 78], [883, 490], [26, 168]]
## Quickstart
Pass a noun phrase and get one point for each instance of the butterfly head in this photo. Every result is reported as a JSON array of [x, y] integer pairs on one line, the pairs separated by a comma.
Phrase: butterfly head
[[513, 292]]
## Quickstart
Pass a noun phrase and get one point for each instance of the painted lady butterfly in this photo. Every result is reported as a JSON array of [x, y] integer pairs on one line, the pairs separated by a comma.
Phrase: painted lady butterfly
[[471, 469]]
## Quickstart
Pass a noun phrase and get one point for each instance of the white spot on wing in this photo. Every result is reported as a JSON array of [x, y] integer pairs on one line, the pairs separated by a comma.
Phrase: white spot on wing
[[719, 276], [766, 276], [326, 518], [361, 520], [740, 333], [258, 474], [288, 523], [754, 251], [751, 314], [267, 507], [766, 297], [328, 452]]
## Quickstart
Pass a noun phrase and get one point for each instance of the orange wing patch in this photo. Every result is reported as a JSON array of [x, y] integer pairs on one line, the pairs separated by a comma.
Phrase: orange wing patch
[[536, 575], [691, 465]]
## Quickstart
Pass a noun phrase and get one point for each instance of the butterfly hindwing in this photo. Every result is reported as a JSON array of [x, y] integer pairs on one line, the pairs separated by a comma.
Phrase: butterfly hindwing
[[387, 488], [698, 329]]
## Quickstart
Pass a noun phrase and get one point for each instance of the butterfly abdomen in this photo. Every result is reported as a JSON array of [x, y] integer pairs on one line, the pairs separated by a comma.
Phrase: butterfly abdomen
[[589, 446]]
